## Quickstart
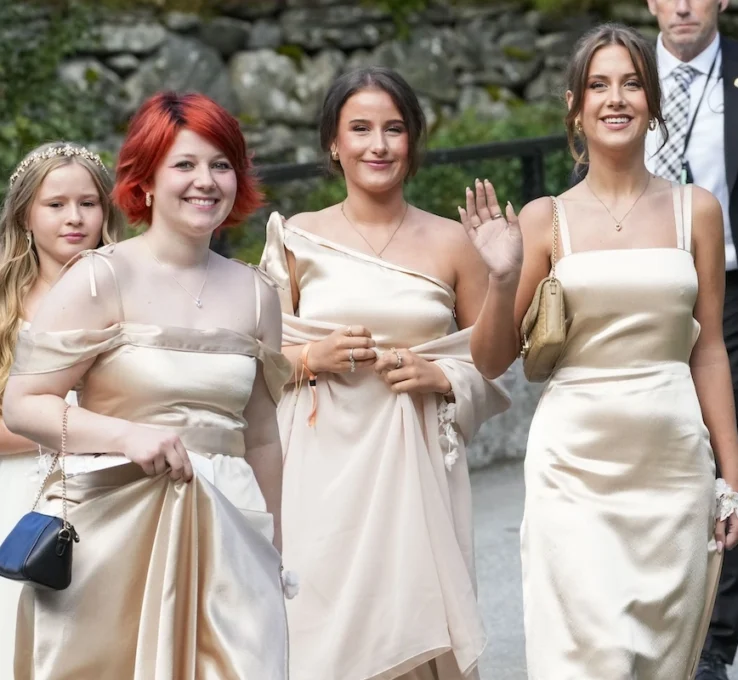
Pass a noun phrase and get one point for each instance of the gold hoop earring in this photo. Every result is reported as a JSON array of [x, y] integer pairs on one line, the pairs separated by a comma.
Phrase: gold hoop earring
[[148, 200], [29, 238], [578, 126], [652, 124], [334, 155]]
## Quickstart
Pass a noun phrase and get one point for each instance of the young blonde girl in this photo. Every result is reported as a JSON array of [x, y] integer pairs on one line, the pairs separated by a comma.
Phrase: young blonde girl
[[57, 205]]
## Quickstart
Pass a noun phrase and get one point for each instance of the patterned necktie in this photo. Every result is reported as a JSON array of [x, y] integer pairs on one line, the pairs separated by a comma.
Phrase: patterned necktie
[[676, 115]]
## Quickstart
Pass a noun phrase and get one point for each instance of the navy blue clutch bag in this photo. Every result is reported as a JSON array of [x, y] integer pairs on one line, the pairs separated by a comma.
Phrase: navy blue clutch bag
[[38, 550]]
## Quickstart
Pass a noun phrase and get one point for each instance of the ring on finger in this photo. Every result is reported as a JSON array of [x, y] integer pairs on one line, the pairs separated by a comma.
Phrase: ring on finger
[[497, 216], [352, 361], [399, 358]]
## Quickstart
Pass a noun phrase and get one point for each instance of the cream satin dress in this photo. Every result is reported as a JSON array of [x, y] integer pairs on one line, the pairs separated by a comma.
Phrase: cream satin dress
[[376, 512], [21, 475], [619, 561], [171, 581]]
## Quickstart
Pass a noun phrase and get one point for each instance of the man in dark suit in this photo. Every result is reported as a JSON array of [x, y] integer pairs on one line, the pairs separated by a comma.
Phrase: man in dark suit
[[698, 69]]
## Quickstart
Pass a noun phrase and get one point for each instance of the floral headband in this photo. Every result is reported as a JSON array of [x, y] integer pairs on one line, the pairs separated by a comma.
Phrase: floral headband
[[65, 150]]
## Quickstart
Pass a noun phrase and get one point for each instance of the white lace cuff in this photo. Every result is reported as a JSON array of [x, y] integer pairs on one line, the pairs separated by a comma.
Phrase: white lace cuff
[[290, 584], [449, 437], [727, 500]]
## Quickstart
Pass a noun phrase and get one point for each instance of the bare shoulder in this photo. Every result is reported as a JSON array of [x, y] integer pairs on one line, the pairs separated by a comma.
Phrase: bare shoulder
[[707, 215], [448, 232], [312, 221], [535, 217], [704, 204]]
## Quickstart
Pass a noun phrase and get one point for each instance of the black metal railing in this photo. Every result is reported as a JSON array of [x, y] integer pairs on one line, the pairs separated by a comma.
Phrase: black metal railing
[[531, 152]]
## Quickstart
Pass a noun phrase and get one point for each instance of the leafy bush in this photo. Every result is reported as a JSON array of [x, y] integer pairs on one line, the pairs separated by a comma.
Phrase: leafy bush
[[35, 106]]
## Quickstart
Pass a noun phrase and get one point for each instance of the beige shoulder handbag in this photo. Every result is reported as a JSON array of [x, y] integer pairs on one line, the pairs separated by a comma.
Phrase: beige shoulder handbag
[[543, 330]]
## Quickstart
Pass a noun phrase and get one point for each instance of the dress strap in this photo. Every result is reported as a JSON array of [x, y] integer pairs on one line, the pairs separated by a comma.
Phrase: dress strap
[[102, 254], [258, 273], [563, 228], [682, 198], [687, 207], [678, 217]]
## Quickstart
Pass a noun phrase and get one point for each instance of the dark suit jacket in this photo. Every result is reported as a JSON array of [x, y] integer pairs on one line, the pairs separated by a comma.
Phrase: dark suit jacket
[[730, 85]]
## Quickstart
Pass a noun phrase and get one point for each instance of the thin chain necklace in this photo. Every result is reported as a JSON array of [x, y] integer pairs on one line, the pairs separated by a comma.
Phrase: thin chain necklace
[[397, 228], [198, 299], [619, 222]]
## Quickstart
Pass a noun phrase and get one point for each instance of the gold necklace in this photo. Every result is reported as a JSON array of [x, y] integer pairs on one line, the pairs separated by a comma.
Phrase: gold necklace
[[198, 299], [397, 228], [619, 222]]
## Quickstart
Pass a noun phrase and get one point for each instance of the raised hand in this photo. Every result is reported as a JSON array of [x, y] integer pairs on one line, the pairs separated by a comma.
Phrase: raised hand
[[496, 236]]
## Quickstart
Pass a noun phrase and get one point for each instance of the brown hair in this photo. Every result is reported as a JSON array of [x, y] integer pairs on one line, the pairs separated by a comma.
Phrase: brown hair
[[644, 61], [378, 78]]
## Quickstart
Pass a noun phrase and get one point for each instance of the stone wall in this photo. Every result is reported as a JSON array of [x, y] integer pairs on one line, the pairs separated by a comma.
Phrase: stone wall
[[270, 62]]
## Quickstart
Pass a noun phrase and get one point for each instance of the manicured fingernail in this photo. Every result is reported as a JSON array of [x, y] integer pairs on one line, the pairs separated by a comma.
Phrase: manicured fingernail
[[477, 180], [468, 189]]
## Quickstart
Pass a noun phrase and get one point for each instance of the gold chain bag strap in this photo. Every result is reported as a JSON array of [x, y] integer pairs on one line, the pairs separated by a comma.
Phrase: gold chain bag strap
[[543, 330], [38, 550]]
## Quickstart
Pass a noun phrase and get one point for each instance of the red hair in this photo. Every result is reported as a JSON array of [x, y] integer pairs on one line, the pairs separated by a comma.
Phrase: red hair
[[150, 136]]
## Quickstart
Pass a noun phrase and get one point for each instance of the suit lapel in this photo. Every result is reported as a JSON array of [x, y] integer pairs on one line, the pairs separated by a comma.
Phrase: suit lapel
[[730, 85]]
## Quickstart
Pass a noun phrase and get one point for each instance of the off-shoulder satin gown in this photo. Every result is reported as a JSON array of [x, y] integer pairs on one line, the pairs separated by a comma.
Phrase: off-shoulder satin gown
[[170, 580]]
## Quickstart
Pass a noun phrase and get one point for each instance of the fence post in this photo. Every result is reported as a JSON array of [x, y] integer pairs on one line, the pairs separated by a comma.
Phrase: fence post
[[533, 176]]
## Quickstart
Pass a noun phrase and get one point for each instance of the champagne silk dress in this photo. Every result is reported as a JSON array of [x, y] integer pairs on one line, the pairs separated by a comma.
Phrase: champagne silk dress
[[170, 580], [21, 475], [619, 560], [376, 510]]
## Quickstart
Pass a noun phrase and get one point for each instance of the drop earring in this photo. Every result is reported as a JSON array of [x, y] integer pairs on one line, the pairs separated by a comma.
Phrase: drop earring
[[29, 237], [148, 200], [334, 154], [652, 124], [578, 125]]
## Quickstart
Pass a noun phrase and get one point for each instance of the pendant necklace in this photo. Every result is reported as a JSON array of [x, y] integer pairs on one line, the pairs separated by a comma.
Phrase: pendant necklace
[[619, 222]]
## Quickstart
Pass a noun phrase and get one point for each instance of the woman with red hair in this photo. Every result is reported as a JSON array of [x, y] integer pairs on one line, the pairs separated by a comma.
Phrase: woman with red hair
[[176, 574]]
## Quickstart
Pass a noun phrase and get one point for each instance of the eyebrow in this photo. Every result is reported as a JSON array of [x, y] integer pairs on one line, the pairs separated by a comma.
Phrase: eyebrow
[[191, 156], [56, 197], [627, 75], [363, 120]]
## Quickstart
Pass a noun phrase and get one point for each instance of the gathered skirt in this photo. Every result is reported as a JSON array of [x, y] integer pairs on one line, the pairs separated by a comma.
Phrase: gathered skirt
[[170, 580]]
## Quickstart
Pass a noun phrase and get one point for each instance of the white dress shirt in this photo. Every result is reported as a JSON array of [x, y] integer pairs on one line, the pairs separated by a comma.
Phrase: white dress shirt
[[706, 150]]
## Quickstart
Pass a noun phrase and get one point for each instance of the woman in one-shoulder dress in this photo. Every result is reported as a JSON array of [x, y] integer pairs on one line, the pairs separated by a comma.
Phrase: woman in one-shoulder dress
[[620, 543], [377, 498], [177, 352]]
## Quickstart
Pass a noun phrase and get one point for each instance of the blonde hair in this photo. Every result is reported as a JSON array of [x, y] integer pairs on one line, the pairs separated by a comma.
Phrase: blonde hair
[[19, 266]]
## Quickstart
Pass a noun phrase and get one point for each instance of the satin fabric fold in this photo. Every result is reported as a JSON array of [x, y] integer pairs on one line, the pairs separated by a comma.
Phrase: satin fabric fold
[[173, 571], [376, 523]]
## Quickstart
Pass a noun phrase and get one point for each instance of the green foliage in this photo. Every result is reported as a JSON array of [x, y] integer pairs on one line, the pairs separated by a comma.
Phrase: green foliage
[[35, 106]]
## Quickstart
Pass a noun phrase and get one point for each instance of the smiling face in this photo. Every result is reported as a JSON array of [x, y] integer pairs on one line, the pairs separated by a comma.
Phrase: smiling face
[[66, 216], [194, 187], [687, 26], [614, 113], [372, 141]]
